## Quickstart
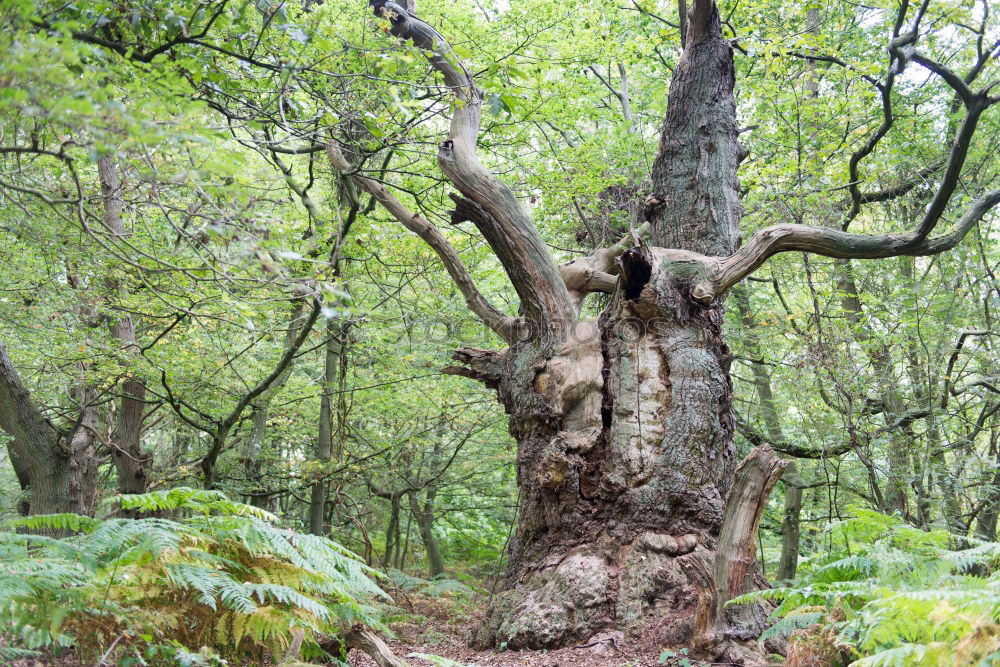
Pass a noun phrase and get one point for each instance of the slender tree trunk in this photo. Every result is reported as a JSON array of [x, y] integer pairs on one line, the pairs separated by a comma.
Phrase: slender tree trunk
[[257, 493], [790, 533], [401, 552], [181, 446], [130, 461], [986, 520], [424, 517], [333, 375], [392, 532], [790, 524], [895, 495], [989, 495]]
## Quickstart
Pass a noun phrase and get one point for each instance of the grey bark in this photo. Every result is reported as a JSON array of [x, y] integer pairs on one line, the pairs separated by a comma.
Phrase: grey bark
[[38, 446], [695, 201], [790, 531], [130, 460], [423, 515], [365, 640], [392, 532], [256, 492], [332, 407]]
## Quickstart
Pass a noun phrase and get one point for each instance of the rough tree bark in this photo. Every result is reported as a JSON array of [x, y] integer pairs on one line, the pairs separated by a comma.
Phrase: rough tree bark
[[624, 425], [56, 466]]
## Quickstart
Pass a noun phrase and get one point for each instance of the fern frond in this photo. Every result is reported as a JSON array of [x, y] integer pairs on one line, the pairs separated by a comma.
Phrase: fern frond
[[898, 656], [218, 568], [55, 523], [792, 622]]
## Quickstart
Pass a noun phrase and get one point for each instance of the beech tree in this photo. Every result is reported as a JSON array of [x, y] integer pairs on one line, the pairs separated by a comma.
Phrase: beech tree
[[625, 424]]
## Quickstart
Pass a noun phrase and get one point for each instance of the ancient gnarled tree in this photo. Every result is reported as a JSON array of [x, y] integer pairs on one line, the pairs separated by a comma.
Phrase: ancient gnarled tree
[[625, 424]]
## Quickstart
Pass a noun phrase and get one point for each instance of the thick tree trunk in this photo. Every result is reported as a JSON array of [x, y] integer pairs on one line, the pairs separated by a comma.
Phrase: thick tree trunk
[[625, 425], [38, 446], [625, 459]]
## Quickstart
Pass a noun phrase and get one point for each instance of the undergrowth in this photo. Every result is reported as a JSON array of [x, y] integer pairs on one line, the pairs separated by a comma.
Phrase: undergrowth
[[155, 590], [891, 594]]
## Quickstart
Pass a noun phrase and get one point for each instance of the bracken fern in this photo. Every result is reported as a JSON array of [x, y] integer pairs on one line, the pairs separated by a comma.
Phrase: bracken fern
[[897, 595], [217, 572]]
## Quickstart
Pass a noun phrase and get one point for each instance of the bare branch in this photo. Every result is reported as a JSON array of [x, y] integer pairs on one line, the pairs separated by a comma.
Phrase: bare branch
[[948, 377], [496, 320], [830, 243], [513, 237]]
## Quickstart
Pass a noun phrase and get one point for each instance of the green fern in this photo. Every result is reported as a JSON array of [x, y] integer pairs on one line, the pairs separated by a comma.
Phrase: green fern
[[792, 622], [219, 571], [897, 594]]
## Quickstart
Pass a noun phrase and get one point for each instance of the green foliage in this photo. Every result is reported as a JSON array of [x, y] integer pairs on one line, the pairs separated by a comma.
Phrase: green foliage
[[795, 620], [680, 658], [436, 587], [898, 594], [217, 572]]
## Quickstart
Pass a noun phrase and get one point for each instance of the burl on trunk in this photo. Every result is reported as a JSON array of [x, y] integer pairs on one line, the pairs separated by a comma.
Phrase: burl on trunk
[[625, 460]]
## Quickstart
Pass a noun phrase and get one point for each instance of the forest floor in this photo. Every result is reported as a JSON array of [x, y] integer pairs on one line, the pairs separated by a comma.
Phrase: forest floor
[[438, 627], [434, 631]]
